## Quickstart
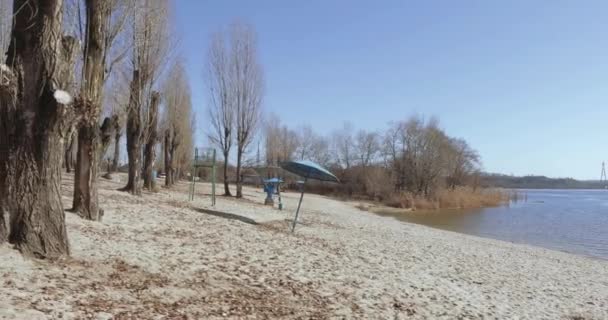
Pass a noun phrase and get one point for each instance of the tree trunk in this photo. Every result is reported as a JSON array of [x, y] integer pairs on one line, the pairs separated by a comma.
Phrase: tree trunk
[[85, 201], [176, 175], [105, 131], [92, 145], [35, 119], [150, 147], [69, 152], [117, 135], [168, 160], [134, 138], [239, 178], [226, 187]]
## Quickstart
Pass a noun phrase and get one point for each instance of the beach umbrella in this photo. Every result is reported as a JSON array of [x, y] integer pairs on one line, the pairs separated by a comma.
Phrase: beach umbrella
[[307, 170]]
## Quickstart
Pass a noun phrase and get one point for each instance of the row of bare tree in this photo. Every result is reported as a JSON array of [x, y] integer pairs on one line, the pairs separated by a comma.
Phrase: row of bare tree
[[414, 155], [236, 86], [52, 100]]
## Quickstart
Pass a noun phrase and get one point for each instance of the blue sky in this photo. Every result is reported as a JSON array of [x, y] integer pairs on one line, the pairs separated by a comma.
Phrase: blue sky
[[524, 82]]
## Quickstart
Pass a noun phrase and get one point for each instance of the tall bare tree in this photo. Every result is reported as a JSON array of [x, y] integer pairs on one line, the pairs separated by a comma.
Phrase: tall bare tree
[[366, 147], [236, 87], [85, 201], [222, 106], [248, 89], [176, 122], [100, 58], [306, 141], [118, 102], [281, 142], [344, 145], [462, 162], [35, 117], [150, 50], [133, 133]]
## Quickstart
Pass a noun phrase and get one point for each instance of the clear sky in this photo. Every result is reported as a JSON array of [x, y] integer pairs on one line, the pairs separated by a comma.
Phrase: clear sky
[[524, 82]]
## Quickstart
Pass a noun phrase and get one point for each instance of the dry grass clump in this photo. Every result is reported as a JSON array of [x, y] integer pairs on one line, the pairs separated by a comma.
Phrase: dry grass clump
[[465, 197], [458, 198]]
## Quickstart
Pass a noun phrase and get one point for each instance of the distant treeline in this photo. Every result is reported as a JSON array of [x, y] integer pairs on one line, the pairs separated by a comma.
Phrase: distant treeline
[[537, 182]]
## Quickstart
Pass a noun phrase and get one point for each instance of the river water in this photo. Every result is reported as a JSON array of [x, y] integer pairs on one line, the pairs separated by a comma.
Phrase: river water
[[574, 221]]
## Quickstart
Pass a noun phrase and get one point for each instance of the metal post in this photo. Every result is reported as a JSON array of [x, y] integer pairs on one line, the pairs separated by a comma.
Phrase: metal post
[[295, 220], [192, 173]]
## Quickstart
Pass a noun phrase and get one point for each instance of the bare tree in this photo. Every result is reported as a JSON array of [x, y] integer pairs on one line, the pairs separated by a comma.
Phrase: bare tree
[[118, 102], [150, 50], [182, 159], [133, 133], [306, 141], [150, 143], [85, 201], [462, 162], [117, 136], [100, 56], [366, 147], [418, 150], [312, 146], [177, 116], [222, 106], [248, 86], [281, 142], [35, 117], [344, 145]]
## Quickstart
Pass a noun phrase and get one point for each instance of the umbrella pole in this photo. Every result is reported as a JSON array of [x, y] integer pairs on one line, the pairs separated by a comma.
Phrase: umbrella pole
[[295, 220]]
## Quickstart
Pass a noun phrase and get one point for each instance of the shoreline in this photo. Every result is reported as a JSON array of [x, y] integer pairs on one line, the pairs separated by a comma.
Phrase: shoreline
[[421, 218], [530, 245], [162, 255]]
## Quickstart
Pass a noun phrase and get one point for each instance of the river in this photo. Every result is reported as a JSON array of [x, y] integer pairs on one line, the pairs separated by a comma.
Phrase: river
[[574, 221]]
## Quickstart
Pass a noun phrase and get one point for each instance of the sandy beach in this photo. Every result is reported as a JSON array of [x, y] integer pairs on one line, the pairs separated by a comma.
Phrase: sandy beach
[[160, 256]]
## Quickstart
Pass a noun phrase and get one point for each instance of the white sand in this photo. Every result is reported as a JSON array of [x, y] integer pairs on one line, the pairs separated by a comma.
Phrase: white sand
[[157, 257]]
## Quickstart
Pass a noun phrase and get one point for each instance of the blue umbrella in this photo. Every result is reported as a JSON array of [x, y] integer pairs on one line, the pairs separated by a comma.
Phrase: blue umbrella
[[307, 170]]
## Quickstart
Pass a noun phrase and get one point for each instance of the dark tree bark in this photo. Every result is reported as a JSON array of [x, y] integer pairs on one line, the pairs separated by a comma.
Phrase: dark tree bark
[[150, 146], [68, 160], [35, 118], [175, 143], [117, 135], [134, 137], [226, 186], [86, 202], [171, 144]]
